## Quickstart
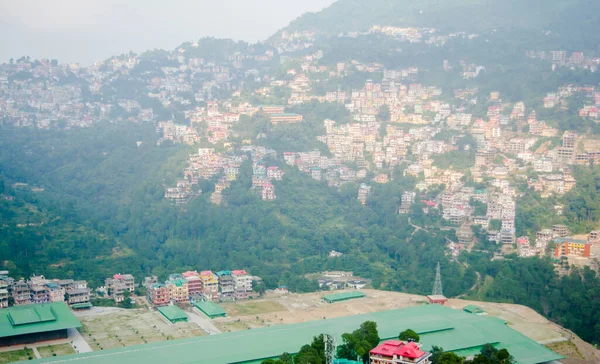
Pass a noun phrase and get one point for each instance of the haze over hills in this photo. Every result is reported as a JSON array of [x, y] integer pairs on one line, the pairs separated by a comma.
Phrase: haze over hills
[[569, 23], [331, 146]]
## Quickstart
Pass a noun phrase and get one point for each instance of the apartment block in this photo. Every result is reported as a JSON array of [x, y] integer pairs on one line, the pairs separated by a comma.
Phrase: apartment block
[[118, 285], [226, 286], [242, 283], [210, 285], [158, 294]]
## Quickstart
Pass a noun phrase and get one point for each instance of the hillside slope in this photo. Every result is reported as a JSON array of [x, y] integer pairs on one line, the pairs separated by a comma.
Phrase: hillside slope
[[570, 19]]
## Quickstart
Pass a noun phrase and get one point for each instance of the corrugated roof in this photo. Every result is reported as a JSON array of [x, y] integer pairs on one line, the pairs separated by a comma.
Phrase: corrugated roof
[[211, 309], [29, 319], [172, 313], [343, 296], [472, 309], [467, 332]]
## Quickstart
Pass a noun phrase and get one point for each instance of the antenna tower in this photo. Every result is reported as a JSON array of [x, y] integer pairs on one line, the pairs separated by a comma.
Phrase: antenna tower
[[437, 286], [330, 348]]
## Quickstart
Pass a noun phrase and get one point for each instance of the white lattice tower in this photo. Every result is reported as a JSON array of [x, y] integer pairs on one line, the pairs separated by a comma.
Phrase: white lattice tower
[[330, 348], [437, 286]]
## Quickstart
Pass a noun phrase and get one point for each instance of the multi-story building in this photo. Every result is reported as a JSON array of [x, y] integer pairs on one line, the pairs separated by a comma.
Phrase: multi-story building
[[572, 247], [594, 237], [21, 293], [285, 118], [4, 284], [560, 230], [242, 282], [398, 352], [158, 294], [226, 286], [118, 285], [178, 290], [76, 291], [210, 285], [3, 297], [150, 281], [56, 293], [194, 282]]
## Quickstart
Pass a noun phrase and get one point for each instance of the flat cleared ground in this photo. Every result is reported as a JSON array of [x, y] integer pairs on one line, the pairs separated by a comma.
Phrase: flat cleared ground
[[16, 355], [119, 328], [244, 308], [61, 349]]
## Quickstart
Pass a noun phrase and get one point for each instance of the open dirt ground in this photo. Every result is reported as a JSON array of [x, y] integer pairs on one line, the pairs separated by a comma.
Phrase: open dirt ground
[[118, 328]]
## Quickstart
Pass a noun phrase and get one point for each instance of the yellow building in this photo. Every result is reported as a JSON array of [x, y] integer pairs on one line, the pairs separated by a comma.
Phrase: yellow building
[[178, 290]]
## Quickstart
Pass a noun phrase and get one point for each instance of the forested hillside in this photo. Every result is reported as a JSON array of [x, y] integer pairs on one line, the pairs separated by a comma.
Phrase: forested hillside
[[561, 21], [278, 241]]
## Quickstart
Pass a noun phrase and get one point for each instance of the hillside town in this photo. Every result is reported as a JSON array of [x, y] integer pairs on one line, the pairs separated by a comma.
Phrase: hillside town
[[469, 166]]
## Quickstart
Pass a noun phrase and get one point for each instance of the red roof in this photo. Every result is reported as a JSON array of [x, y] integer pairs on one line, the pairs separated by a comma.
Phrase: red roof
[[117, 276], [398, 348], [190, 273], [238, 272]]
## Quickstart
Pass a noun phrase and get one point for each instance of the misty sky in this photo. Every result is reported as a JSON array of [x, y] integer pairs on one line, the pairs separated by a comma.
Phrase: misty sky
[[88, 30]]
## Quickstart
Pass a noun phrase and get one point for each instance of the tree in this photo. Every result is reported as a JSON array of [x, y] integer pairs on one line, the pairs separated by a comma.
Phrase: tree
[[436, 353], [384, 113], [127, 300], [409, 335], [450, 358], [490, 355], [308, 355], [359, 342]]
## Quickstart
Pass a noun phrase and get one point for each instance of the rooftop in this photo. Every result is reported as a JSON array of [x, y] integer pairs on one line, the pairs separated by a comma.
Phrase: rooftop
[[336, 297], [211, 309], [36, 318], [172, 313], [454, 330], [398, 348]]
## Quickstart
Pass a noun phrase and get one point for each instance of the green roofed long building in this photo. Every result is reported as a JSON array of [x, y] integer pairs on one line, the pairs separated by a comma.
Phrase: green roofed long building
[[454, 330], [173, 313], [32, 323], [211, 309], [343, 296]]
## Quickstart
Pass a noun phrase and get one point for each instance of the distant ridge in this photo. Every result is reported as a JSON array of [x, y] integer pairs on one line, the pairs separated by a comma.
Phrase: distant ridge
[[571, 19]]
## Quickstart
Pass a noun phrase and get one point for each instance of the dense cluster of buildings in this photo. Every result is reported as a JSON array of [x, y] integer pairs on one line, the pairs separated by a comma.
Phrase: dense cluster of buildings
[[562, 58], [564, 245], [194, 286], [38, 289]]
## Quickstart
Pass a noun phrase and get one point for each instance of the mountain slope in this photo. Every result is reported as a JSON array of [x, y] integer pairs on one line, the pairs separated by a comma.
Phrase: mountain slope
[[571, 18]]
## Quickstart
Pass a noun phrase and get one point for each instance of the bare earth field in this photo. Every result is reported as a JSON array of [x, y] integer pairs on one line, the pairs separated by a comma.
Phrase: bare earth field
[[117, 328], [60, 349]]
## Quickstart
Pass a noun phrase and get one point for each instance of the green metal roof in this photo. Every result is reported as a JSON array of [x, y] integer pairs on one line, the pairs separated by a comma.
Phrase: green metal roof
[[29, 319], [172, 313], [453, 330], [211, 309], [336, 297], [82, 305], [224, 273], [473, 309]]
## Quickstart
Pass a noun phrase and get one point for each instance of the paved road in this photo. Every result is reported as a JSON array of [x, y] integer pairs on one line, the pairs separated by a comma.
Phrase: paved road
[[79, 343], [36, 353], [204, 322]]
